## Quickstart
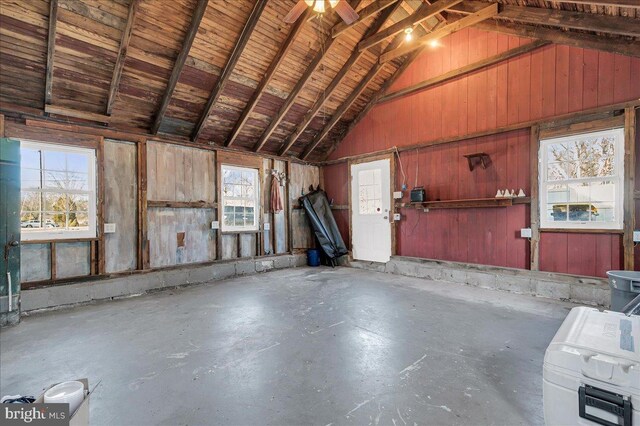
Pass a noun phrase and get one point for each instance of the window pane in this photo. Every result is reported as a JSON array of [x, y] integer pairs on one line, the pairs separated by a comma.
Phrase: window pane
[[30, 178], [78, 220], [30, 201], [55, 160], [580, 212], [596, 156], [30, 158], [557, 212], [30, 220], [54, 220], [55, 202], [249, 215], [77, 162], [55, 179], [79, 202], [227, 217], [77, 181], [603, 212], [239, 216]]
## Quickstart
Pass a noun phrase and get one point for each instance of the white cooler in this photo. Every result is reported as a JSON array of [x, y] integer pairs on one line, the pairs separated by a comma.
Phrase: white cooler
[[592, 370]]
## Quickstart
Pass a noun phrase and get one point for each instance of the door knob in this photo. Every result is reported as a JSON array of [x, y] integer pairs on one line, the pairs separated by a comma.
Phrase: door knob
[[14, 243]]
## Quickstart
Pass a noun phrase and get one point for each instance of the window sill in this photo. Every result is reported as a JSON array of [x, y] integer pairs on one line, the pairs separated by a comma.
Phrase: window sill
[[58, 240], [582, 231]]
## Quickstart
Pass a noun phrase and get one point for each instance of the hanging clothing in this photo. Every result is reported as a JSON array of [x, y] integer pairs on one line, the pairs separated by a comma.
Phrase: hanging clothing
[[276, 201]]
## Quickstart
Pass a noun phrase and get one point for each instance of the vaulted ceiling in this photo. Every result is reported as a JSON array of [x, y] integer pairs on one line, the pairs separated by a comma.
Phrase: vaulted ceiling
[[232, 73]]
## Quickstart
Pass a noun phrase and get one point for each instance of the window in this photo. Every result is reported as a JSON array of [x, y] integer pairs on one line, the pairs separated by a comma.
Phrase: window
[[58, 198], [581, 181], [370, 192], [239, 198]]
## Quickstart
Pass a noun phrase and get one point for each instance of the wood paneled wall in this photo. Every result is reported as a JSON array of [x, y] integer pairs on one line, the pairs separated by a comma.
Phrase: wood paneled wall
[[548, 82]]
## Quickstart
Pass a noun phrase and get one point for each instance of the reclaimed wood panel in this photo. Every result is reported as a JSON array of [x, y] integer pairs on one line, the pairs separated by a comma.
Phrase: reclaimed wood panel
[[120, 206]]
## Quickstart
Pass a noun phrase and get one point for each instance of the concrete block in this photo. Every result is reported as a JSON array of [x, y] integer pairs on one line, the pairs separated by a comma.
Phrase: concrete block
[[453, 275], [299, 260], [514, 284], [244, 267], [590, 294], [553, 290], [201, 274], [281, 262], [482, 279], [264, 265], [429, 272], [223, 270]]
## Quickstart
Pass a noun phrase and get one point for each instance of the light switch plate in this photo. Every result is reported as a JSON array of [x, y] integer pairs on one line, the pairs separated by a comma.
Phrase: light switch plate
[[397, 195], [267, 226], [215, 225], [636, 236], [396, 216], [109, 228], [525, 233]]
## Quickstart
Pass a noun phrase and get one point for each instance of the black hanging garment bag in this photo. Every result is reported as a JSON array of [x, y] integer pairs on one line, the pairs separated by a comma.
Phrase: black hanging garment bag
[[324, 224]]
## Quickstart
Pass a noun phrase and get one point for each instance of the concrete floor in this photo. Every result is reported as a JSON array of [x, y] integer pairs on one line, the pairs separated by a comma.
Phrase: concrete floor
[[299, 346]]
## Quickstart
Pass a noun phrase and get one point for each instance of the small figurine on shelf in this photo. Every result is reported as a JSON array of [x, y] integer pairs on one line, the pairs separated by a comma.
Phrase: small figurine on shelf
[[521, 193], [500, 194]]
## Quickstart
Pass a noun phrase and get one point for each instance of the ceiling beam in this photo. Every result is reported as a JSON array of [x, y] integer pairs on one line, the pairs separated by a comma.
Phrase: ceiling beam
[[374, 100], [465, 22], [612, 3], [569, 38], [467, 69], [122, 55], [585, 21], [353, 58], [425, 11], [69, 112], [302, 81], [224, 77], [268, 76], [363, 14], [377, 67], [198, 13], [51, 45]]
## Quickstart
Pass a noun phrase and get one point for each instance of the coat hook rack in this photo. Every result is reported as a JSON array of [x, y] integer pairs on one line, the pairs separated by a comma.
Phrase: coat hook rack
[[478, 158]]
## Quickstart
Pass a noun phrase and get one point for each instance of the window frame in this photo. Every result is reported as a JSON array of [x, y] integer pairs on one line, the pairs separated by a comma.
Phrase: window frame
[[256, 199], [617, 178], [66, 234]]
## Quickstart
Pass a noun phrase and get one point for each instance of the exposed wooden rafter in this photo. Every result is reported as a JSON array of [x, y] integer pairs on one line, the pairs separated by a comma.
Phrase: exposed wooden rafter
[[374, 100], [268, 76], [465, 22], [51, 44], [238, 49], [122, 55], [198, 13], [302, 81], [363, 14], [424, 12], [69, 112], [582, 40], [613, 3], [353, 58], [344, 107], [619, 25], [508, 54]]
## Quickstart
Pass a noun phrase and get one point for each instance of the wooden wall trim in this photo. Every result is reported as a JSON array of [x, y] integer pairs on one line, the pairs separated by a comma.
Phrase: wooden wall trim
[[143, 242], [100, 208], [534, 247], [181, 204], [629, 186]]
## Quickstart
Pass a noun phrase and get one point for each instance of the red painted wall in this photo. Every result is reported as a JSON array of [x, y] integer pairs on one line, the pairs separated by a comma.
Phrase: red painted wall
[[550, 81]]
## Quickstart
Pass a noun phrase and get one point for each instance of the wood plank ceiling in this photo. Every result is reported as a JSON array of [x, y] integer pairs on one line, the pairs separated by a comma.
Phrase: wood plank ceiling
[[232, 73]]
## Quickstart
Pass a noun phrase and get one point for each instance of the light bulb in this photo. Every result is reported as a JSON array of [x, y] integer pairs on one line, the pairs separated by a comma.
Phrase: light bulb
[[319, 7], [434, 43], [333, 3], [408, 36]]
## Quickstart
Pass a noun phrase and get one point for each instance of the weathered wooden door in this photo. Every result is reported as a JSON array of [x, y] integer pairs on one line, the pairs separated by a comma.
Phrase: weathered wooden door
[[9, 231]]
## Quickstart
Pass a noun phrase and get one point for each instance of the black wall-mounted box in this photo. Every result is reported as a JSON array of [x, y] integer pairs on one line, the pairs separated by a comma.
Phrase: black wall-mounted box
[[418, 195]]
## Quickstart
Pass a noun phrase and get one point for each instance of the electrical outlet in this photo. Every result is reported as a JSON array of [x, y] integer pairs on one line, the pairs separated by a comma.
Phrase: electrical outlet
[[525, 233], [636, 236], [215, 225], [109, 228], [267, 226], [396, 216], [397, 195]]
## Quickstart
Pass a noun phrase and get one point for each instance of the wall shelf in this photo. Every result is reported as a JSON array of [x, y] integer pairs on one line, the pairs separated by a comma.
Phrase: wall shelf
[[469, 203]]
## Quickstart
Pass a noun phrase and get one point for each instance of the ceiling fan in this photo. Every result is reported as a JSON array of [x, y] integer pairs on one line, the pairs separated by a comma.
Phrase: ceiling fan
[[341, 7]]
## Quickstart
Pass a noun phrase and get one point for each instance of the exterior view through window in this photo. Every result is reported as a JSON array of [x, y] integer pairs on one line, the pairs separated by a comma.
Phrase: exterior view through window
[[58, 198], [239, 198], [581, 181]]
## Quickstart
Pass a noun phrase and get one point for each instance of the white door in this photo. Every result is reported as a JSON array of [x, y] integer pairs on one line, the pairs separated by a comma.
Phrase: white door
[[370, 210]]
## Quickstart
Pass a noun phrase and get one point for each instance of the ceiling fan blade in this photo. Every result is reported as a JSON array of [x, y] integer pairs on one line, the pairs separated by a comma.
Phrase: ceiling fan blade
[[295, 13], [346, 12]]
